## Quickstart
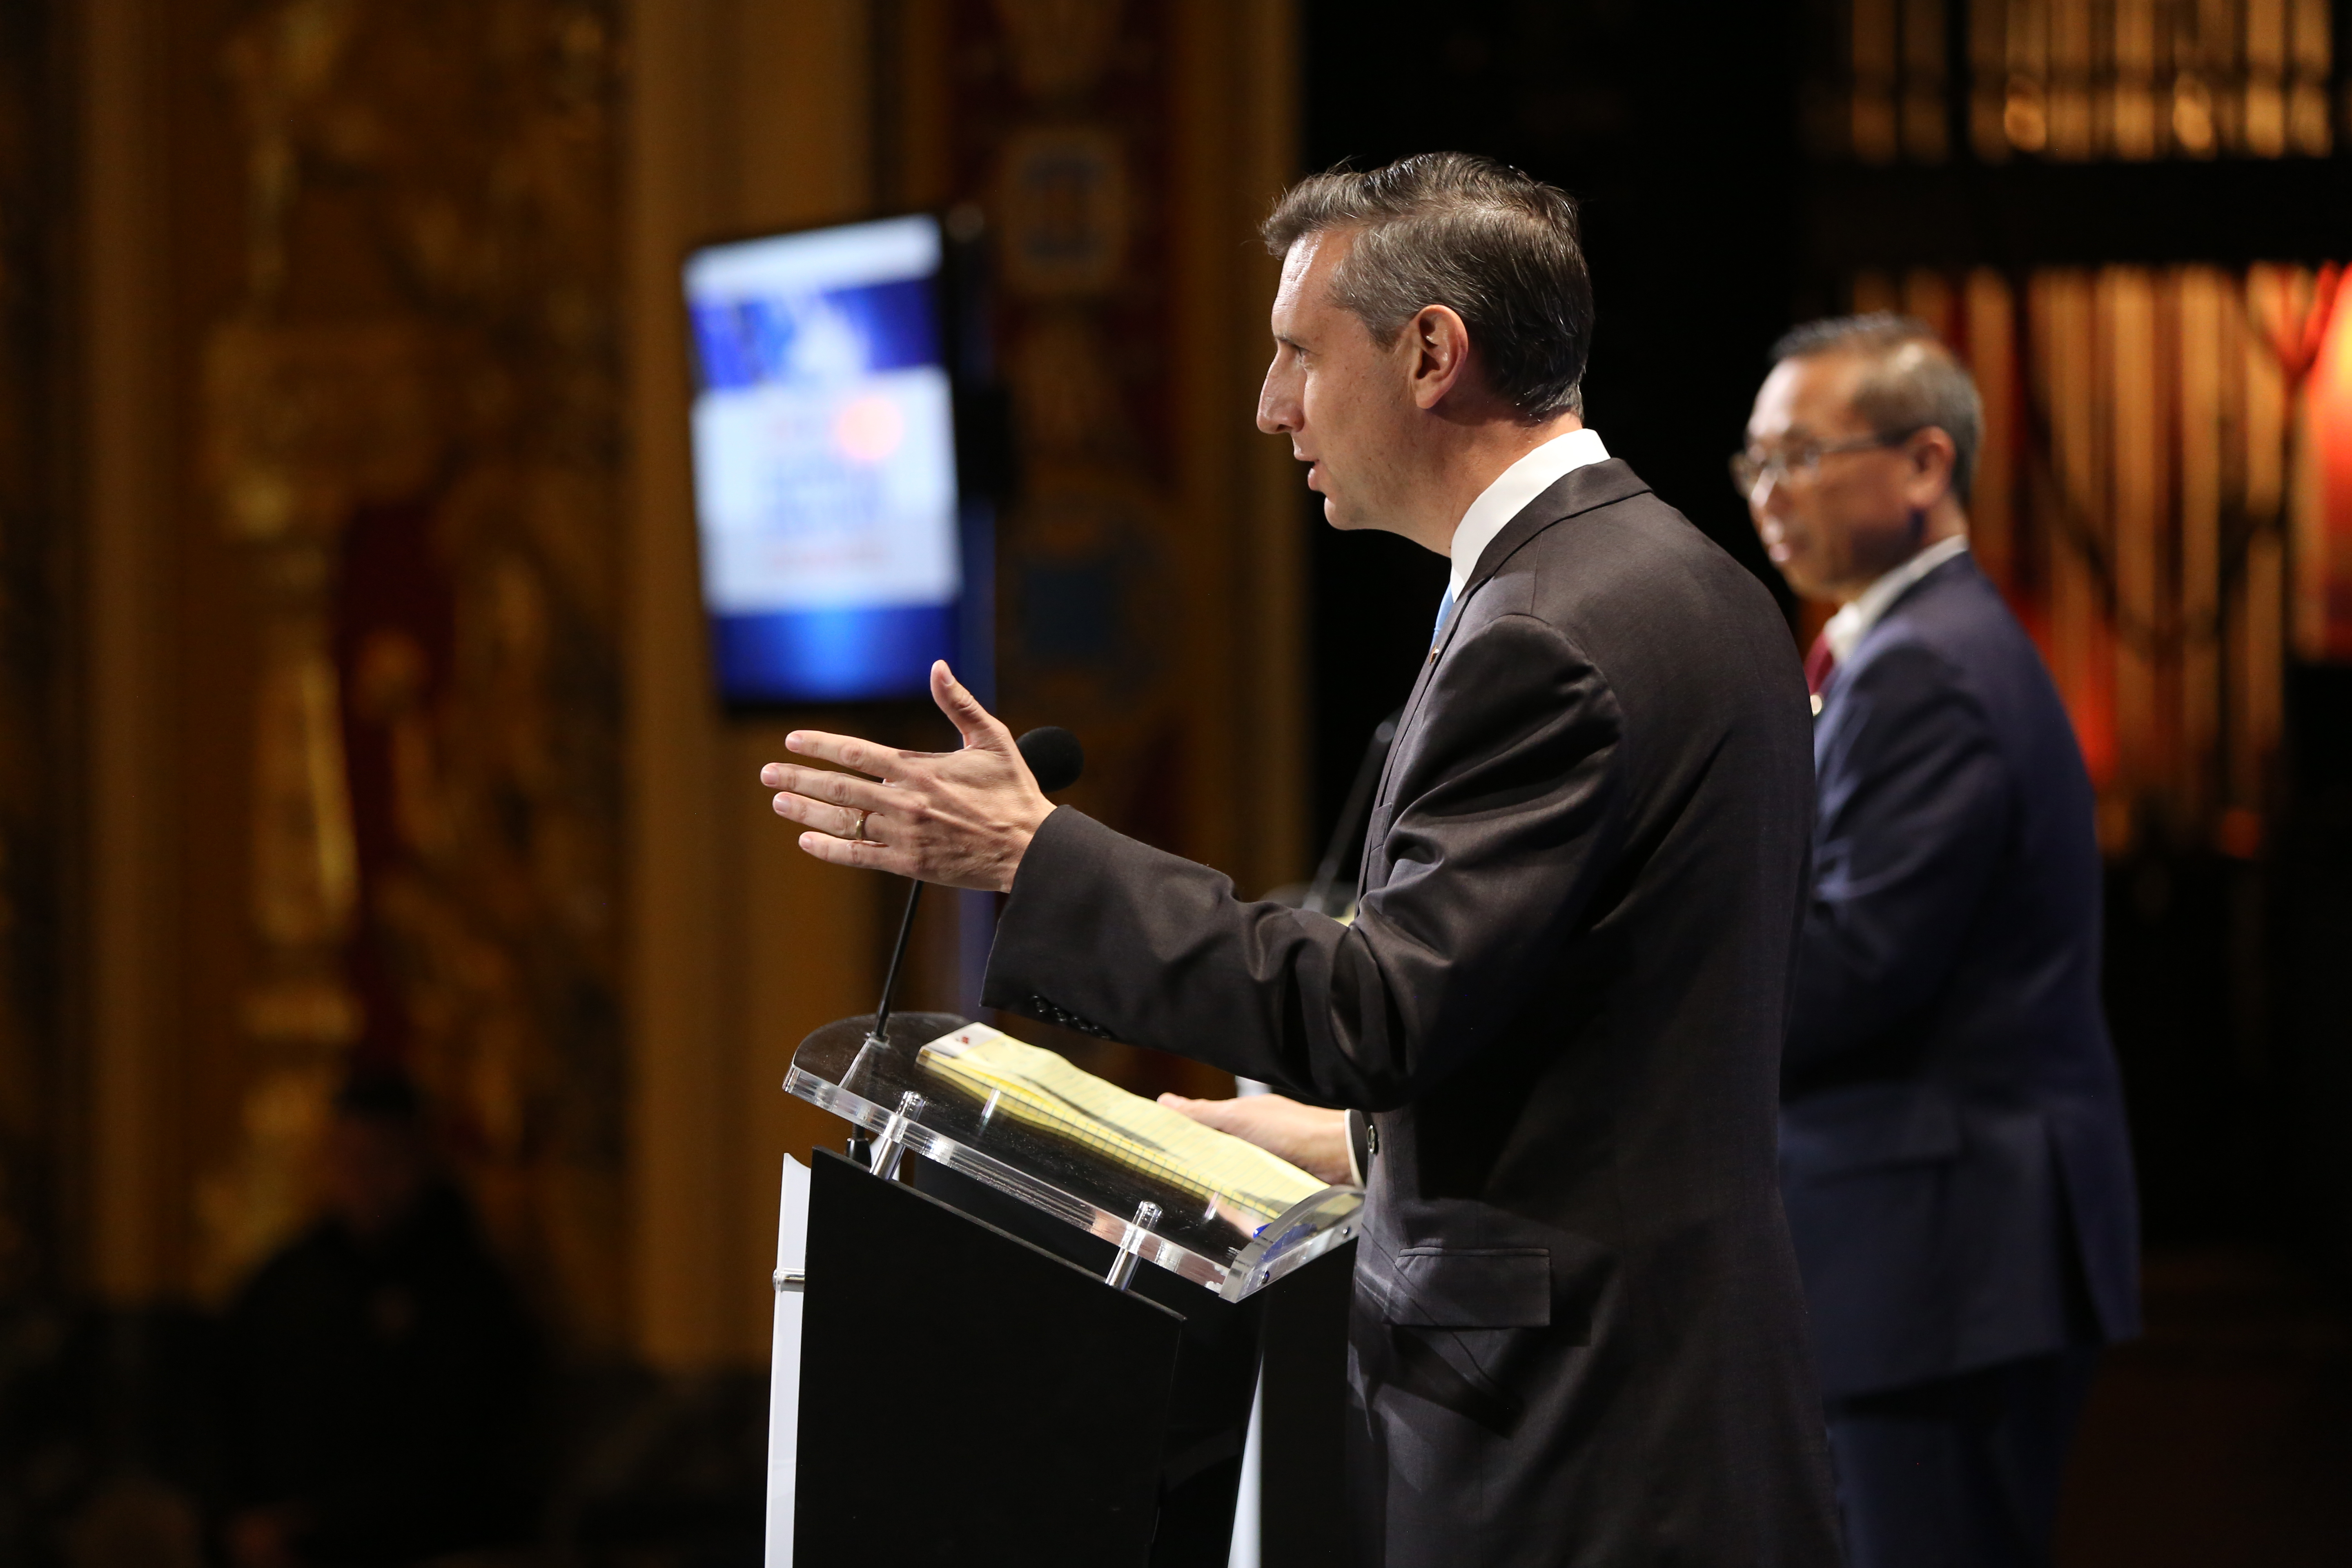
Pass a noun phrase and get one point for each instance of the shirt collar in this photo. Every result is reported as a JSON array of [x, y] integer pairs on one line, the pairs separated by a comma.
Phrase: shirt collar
[[1508, 496], [1848, 626]]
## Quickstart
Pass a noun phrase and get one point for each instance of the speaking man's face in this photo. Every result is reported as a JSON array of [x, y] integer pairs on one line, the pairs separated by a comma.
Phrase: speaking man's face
[[1835, 507], [1344, 401]]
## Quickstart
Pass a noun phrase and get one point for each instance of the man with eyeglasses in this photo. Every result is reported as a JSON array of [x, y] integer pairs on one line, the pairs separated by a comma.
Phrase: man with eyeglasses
[[1953, 1153]]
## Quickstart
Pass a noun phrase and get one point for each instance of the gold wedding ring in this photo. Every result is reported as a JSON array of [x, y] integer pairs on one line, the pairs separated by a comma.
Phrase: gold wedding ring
[[857, 834]]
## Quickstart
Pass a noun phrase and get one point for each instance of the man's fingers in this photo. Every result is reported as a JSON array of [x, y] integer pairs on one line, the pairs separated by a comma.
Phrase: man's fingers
[[972, 721], [847, 749], [840, 821], [865, 856], [839, 789], [1217, 1114]]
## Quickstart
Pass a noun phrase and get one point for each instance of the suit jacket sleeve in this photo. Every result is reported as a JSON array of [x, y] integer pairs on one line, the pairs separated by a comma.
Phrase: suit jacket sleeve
[[1516, 812], [1914, 807]]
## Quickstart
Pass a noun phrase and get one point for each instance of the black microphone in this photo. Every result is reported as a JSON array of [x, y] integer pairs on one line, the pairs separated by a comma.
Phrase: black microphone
[[1056, 758], [1054, 755]]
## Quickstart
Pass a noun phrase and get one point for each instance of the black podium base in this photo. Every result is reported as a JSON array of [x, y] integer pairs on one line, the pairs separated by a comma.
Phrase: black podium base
[[972, 1391], [967, 1397], [1207, 1422]]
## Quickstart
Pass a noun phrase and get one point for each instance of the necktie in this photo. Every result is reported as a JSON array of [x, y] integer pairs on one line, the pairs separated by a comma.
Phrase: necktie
[[1820, 664], [1443, 610]]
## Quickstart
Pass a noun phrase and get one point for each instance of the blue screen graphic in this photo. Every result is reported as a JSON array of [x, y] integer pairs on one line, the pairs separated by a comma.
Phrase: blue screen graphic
[[825, 473]]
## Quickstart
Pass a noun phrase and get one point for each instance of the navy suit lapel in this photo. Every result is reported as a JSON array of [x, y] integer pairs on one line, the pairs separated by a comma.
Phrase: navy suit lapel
[[1946, 576]]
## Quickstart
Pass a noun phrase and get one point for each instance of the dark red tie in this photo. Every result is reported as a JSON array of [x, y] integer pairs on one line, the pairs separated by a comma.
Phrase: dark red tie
[[1819, 663]]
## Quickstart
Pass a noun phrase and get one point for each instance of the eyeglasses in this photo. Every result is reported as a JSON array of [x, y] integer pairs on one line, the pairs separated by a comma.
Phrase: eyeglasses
[[1749, 471]]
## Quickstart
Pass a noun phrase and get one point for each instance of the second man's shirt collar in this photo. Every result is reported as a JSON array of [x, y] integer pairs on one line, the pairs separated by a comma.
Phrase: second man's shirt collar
[[1846, 628]]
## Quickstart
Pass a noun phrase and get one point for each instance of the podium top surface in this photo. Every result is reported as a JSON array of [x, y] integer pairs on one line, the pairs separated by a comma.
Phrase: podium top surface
[[1214, 1240]]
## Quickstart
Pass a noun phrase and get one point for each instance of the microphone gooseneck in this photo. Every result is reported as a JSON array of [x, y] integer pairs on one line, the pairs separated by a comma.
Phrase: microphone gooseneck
[[881, 1030], [1056, 758], [1355, 816]]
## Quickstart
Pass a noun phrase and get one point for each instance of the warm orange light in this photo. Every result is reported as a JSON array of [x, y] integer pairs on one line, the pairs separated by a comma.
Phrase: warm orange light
[[2238, 834], [2328, 406]]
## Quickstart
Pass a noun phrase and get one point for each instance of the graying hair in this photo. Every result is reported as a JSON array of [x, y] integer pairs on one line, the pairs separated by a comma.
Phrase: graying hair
[[1497, 248], [1912, 381]]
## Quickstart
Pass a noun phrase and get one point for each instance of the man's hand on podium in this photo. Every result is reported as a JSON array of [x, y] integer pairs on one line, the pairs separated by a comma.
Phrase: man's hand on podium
[[962, 818], [1309, 1137]]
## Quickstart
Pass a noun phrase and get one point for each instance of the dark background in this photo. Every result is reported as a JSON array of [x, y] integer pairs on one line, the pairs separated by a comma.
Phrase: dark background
[[2224, 1433], [1684, 160], [1710, 230]]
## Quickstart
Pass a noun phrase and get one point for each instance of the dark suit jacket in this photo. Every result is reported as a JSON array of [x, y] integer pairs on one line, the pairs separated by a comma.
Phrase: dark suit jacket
[[1578, 1329], [1953, 1150]]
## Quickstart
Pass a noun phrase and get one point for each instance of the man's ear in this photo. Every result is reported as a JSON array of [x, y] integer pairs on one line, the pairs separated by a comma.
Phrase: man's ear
[[1933, 457], [1440, 353]]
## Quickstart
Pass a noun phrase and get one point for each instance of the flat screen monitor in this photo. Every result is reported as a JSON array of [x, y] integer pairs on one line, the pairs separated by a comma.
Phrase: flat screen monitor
[[825, 462]]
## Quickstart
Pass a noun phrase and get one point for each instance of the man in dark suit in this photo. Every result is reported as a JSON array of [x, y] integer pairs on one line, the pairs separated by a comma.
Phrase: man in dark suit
[[1952, 1147], [1577, 1331]]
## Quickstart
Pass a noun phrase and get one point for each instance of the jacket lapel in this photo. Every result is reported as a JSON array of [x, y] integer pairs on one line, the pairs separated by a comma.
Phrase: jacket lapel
[[1947, 574], [1576, 491]]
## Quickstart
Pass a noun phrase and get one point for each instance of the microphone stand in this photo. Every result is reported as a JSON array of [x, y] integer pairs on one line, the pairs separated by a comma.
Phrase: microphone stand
[[880, 1035], [1354, 816], [862, 1146]]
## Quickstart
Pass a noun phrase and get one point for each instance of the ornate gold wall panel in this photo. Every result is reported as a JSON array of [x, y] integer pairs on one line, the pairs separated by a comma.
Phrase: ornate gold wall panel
[[396, 311], [1150, 592], [764, 114], [1063, 140], [380, 280], [2075, 80]]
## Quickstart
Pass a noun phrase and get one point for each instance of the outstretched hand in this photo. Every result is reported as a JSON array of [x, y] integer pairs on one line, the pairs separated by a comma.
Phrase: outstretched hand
[[1309, 1137], [961, 818]]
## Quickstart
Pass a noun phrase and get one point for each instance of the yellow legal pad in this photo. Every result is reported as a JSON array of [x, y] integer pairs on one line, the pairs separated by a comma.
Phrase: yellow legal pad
[[1037, 1086]]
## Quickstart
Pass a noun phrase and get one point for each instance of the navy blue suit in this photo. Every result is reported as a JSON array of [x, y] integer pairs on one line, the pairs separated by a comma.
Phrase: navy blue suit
[[1953, 1153]]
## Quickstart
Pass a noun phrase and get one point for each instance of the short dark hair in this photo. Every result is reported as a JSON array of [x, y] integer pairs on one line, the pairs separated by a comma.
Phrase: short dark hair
[[1913, 381], [1497, 248]]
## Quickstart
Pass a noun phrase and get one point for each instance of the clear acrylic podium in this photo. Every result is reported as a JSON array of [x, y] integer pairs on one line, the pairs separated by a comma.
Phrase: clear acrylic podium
[[1015, 1348]]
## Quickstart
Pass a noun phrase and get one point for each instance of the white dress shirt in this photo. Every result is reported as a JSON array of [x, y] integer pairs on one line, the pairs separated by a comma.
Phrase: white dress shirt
[[1848, 626], [1510, 494]]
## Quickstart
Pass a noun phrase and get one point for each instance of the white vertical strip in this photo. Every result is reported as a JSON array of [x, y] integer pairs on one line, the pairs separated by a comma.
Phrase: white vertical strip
[[784, 1366], [1246, 1513], [1247, 1544]]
